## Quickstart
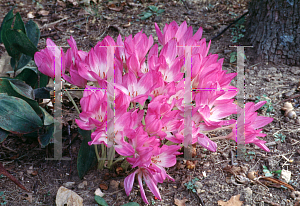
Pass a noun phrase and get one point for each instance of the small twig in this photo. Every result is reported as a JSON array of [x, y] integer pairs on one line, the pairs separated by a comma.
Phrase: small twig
[[9, 148], [52, 24], [229, 26], [293, 97]]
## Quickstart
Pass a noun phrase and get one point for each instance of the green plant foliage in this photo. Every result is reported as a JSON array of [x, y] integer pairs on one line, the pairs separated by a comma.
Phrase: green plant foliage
[[3, 135], [86, 155], [16, 116], [29, 76], [232, 57], [20, 42], [17, 88], [279, 137], [151, 11], [8, 16], [100, 201], [268, 106], [191, 185]]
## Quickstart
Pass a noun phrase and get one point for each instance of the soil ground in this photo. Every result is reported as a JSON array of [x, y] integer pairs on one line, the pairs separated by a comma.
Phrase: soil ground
[[279, 83]]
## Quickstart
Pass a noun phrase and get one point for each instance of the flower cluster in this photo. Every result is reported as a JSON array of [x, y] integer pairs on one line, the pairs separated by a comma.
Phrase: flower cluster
[[143, 72]]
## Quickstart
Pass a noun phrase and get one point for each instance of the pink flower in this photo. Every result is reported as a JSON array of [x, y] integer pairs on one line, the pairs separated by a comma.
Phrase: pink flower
[[50, 59], [181, 32], [248, 129], [73, 58], [161, 158]]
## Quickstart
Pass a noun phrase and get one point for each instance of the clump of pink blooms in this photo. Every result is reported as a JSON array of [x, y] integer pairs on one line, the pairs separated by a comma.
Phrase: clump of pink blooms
[[142, 71]]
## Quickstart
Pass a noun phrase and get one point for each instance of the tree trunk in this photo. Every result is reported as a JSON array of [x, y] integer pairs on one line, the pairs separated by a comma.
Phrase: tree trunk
[[274, 30]]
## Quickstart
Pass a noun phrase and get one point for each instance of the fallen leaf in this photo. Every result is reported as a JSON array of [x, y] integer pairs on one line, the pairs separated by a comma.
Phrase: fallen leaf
[[180, 202], [99, 192], [234, 201], [30, 15], [103, 187], [66, 196], [29, 197], [127, 25], [43, 12], [12, 178]]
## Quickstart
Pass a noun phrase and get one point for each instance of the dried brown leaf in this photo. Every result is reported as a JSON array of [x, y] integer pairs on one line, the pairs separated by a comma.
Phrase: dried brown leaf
[[234, 201], [44, 13], [66, 196], [180, 202]]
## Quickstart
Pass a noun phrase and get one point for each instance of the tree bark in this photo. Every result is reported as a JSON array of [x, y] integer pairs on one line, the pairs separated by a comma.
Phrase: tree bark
[[274, 30]]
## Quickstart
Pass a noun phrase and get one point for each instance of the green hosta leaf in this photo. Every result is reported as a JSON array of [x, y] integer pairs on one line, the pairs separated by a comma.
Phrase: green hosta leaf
[[33, 32], [42, 93], [17, 88], [29, 76], [131, 204], [21, 42], [45, 138], [146, 15], [100, 201], [44, 79], [153, 8], [3, 135], [8, 16], [19, 24], [48, 119], [16, 116], [11, 50], [160, 11], [86, 155], [22, 88]]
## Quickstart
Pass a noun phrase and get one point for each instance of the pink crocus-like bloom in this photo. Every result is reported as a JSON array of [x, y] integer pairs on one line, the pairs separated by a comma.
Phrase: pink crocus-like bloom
[[50, 59], [161, 158], [73, 57], [250, 126], [181, 32], [94, 107]]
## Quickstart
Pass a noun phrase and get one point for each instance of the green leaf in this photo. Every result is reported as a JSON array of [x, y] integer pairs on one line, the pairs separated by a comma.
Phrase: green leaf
[[160, 11], [44, 79], [153, 8], [24, 60], [16, 116], [232, 57], [8, 16], [146, 16], [29, 76], [19, 24], [33, 32], [22, 88], [3, 135], [48, 119], [42, 93], [17, 88], [100, 201], [86, 155], [21, 42], [131, 204], [11, 50], [45, 138]]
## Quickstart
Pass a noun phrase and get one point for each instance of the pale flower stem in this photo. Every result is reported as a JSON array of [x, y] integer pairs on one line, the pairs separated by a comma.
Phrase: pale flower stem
[[72, 100], [111, 156], [103, 156]]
